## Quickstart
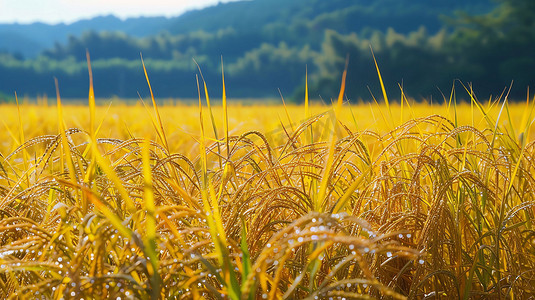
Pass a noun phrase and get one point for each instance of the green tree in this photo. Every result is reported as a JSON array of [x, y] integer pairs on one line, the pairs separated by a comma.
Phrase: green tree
[[496, 48], [414, 61], [6, 98]]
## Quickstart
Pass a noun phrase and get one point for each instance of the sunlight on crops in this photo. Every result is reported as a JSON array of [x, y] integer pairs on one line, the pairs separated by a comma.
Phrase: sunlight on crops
[[182, 121], [353, 200]]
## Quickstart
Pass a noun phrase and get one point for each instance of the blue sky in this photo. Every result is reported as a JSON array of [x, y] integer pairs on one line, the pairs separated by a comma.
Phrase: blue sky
[[56, 11]]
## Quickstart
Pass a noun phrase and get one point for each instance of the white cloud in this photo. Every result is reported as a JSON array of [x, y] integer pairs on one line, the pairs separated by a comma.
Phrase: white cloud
[[54, 11]]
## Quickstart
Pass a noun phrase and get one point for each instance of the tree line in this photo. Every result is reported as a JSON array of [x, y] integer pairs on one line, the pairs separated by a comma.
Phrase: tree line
[[487, 51]]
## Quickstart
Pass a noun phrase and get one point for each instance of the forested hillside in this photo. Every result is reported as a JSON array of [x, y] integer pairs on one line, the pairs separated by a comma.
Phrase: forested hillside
[[267, 44]]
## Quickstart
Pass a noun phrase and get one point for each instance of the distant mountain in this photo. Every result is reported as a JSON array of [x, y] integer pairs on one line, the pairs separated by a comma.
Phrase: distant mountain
[[343, 15], [266, 45], [276, 16], [31, 39]]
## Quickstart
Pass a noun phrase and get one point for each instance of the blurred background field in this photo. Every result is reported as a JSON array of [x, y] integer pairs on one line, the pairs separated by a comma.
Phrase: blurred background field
[[123, 121]]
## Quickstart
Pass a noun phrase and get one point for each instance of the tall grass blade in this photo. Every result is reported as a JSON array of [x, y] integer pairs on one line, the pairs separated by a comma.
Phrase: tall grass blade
[[286, 111], [150, 242], [208, 104], [107, 169], [160, 129], [22, 140], [65, 143], [225, 110], [325, 178], [381, 82], [91, 98], [307, 112]]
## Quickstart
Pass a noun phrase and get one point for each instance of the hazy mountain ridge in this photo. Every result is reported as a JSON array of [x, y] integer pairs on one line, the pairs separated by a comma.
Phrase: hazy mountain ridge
[[266, 45], [343, 16], [31, 39], [372, 13]]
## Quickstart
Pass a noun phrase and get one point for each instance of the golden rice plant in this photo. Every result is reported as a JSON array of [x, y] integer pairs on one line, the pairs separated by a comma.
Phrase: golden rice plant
[[427, 208]]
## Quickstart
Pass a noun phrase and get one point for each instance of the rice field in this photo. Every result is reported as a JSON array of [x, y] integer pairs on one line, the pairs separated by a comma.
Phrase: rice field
[[352, 200]]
